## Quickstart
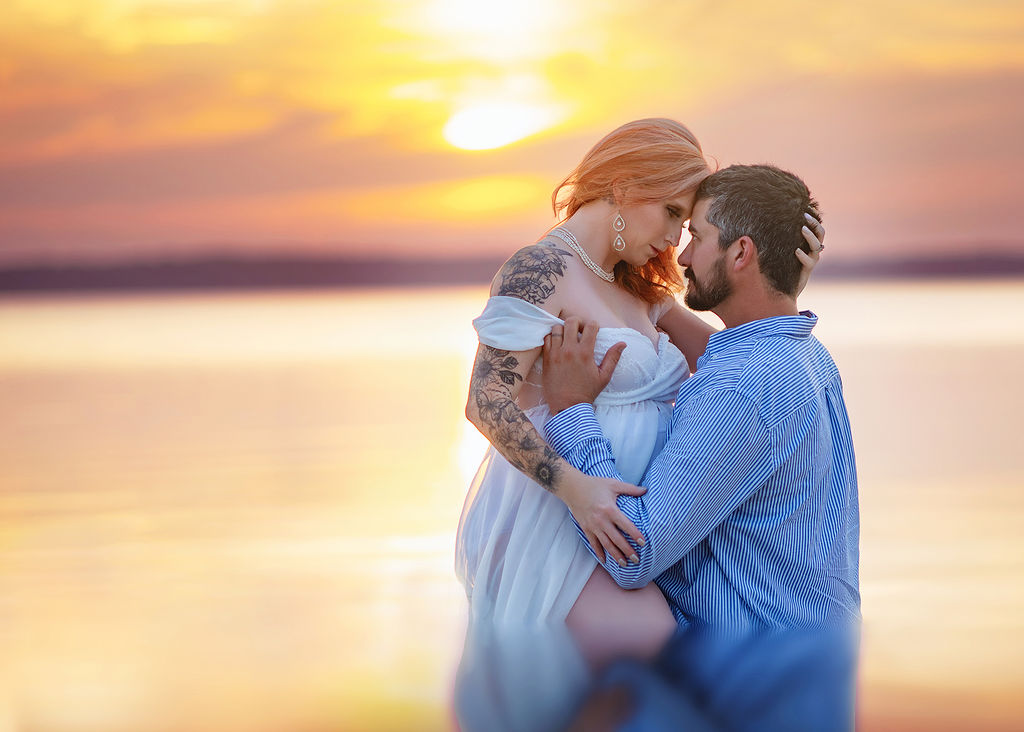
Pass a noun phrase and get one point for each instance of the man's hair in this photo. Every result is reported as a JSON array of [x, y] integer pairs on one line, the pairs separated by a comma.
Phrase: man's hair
[[768, 205]]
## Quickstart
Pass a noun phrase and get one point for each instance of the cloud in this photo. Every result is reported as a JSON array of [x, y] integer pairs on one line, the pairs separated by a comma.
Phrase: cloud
[[154, 124]]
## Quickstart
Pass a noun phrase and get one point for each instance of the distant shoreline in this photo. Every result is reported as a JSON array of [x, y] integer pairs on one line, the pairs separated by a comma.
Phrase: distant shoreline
[[224, 273]]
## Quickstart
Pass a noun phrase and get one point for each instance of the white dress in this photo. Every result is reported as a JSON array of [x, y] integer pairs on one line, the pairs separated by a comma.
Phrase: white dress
[[518, 553]]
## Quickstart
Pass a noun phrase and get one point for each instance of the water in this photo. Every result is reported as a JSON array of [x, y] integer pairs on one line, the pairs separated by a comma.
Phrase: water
[[237, 511]]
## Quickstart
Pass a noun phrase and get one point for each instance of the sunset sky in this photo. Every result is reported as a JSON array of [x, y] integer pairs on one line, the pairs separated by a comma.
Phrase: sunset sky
[[140, 129]]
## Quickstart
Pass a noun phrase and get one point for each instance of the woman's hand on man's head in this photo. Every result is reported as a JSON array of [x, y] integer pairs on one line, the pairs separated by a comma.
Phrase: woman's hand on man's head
[[814, 235]]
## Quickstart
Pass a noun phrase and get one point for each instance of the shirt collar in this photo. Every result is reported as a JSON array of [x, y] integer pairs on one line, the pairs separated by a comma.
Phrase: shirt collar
[[795, 326]]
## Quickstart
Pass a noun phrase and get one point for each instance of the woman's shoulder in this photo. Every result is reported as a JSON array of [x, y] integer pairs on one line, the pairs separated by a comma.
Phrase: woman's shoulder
[[534, 274]]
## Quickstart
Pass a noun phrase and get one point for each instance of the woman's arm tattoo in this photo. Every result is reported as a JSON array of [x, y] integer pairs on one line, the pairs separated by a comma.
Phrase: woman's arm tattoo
[[509, 430], [532, 273]]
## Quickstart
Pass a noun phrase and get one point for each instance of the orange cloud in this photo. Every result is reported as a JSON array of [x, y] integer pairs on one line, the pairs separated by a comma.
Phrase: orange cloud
[[121, 118]]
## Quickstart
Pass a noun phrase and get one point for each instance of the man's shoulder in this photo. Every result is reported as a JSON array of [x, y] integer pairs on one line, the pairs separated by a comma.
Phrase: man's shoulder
[[781, 374], [774, 356]]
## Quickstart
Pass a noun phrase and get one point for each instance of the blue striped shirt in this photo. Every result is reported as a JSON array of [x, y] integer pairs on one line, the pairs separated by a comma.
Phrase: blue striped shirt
[[750, 517]]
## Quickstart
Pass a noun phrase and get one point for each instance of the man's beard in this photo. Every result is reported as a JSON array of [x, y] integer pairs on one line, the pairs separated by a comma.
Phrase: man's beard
[[710, 293]]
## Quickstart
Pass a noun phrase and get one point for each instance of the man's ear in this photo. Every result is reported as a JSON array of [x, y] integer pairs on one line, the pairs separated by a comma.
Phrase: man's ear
[[744, 255]]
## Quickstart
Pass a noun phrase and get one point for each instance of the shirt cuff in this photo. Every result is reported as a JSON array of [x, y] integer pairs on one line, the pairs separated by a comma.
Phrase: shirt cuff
[[571, 427]]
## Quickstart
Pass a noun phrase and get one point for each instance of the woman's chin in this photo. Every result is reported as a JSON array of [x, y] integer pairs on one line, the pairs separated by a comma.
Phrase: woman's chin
[[641, 259]]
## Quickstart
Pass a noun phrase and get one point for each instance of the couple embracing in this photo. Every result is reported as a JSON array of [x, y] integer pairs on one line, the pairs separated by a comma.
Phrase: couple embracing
[[649, 475]]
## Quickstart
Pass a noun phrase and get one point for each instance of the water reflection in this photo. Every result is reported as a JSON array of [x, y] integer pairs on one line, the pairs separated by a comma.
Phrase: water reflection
[[525, 679], [519, 679], [781, 681]]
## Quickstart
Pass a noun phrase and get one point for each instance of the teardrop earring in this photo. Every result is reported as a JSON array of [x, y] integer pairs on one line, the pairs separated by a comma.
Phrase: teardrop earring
[[619, 224]]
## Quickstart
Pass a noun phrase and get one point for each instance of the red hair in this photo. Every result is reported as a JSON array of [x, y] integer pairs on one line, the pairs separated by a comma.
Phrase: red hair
[[648, 161]]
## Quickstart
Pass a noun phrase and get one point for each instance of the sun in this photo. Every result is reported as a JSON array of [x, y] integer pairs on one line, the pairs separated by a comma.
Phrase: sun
[[489, 126]]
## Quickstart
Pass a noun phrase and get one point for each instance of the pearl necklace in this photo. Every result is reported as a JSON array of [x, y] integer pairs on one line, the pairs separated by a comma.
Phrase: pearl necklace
[[573, 243]]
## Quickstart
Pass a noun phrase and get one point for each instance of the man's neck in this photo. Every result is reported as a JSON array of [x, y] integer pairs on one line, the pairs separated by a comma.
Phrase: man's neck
[[736, 311]]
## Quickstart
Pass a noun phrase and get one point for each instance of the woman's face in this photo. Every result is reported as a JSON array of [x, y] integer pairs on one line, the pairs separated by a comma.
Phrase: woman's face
[[653, 227]]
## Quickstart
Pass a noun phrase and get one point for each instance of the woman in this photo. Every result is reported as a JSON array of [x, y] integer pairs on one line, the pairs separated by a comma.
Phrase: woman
[[611, 260]]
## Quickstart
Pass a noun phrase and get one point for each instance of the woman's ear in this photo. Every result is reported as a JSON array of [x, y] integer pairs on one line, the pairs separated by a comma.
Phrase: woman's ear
[[619, 194]]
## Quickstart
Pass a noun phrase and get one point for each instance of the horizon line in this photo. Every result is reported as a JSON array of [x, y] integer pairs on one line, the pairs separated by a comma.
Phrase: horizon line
[[220, 272]]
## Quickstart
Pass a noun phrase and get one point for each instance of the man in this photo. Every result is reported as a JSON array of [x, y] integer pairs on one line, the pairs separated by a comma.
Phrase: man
[[750, 520]]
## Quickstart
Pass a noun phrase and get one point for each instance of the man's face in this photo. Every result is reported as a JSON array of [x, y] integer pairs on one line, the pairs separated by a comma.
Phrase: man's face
[[703, 263]]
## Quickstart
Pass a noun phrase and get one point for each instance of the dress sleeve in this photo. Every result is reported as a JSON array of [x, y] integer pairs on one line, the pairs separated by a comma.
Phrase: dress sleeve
[[512, 324]]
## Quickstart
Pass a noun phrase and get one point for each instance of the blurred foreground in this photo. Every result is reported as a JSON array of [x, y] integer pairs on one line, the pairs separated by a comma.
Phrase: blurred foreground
[[237, 511]]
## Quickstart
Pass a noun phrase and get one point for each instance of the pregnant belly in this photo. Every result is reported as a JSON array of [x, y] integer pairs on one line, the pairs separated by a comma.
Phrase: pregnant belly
[[636, 433]]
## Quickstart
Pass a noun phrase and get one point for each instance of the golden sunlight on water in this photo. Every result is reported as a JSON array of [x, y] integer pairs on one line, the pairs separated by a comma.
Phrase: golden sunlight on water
[[237, 511]]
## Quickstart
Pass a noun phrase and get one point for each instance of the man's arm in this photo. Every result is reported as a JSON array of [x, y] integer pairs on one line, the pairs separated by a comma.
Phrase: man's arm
[[717, 455]]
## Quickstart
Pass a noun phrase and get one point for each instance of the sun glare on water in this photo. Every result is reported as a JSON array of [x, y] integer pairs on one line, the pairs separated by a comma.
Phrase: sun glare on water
[[489, 126]]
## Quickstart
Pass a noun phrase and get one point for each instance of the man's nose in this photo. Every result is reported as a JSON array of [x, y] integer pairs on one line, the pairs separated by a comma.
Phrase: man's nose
[[684, 257]]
